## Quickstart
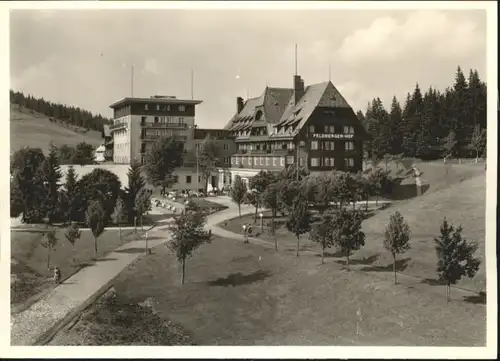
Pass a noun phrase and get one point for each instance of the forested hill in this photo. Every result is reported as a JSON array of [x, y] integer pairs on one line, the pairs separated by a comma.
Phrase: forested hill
[[430, 122], [69, 114]]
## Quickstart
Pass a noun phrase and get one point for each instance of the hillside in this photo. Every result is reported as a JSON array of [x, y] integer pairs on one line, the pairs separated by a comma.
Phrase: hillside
[[461, 203], [35, 130]]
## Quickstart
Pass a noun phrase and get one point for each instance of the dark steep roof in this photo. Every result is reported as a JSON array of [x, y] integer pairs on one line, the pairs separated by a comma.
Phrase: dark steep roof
[[280, 109]]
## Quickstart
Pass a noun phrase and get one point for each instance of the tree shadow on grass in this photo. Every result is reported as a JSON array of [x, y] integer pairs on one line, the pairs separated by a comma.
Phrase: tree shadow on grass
[[479, 299], [105, 259], [238, 279], [433, 282], [336, 254], [365, 260], [131, 250], [401, 265]]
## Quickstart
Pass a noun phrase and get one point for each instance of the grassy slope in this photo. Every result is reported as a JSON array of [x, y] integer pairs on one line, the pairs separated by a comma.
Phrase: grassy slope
[[462, 203], [238, 294], [35, 130]]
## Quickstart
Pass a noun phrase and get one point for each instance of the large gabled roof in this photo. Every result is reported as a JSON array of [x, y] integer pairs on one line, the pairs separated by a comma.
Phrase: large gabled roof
[[280, 109]]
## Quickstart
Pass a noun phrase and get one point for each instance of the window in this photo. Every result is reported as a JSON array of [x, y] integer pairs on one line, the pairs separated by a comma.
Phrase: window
[[327, 128], [312, 129], [274, 161], [168, 107], [237, 160], [348, 129], [188, 179], [182, 108], [243, 160], [326, 162], [314, 145], [261, 160], [157, 106], [232, 160], [332, 129], [180, 120], [350, 162], [226, 161], [282, 161], [289, 159], [226, 146], [156, 120], [349, 145], [301, 161], [268, 160], [145, 106], [143, 120], [199, 179], [314, 162], [176, 178], [255, 160]]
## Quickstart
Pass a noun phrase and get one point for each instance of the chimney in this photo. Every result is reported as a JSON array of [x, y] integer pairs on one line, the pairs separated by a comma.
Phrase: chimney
[[239, 104], [298, 88]]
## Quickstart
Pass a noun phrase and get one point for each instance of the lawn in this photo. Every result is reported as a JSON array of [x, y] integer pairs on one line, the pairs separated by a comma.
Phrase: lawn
[[246, 294], [462, 203], [29, 273]]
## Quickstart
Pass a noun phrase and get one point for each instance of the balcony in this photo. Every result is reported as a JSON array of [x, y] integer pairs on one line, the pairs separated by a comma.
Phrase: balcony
[[116, 126], [165, 125], [153, 138]]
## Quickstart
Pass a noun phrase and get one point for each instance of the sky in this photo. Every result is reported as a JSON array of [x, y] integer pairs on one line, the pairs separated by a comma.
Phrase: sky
[[84, 58]]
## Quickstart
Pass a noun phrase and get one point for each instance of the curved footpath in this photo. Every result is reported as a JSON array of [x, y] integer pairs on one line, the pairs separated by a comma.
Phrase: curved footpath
[[42, 320]]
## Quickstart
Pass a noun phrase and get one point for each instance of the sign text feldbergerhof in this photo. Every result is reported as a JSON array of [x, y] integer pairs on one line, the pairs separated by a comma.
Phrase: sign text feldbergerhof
[[333, 136]]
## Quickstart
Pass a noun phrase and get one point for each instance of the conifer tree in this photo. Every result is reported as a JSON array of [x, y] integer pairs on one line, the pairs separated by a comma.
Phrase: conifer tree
[[135, 183]]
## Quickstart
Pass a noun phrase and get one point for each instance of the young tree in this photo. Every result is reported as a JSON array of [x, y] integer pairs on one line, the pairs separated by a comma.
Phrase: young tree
[[299, 219], [272, 227], [188, 233], [208, 158], [252, 198], [397, 238], [50, 243], [95, 220], [23, 168], [448, 146], [72, 197], [48, 177], [270, 199], [118, 215], [258, 185], [455, 256], [238, 191], [161, 161], [347, 232], [478, 141], [73, 234], [135, 183], [340, 183], [84, 154], [321, 233], [142, 203]]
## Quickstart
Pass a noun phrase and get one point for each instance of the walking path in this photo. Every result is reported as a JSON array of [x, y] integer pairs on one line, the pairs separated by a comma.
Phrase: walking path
[[43, 319]]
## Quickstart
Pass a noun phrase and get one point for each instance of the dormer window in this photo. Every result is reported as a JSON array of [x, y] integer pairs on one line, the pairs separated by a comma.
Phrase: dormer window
[[182, 108], [258, 115], [145, 106]]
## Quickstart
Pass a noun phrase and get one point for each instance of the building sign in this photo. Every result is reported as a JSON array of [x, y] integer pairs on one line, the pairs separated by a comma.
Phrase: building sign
[[333, 136]]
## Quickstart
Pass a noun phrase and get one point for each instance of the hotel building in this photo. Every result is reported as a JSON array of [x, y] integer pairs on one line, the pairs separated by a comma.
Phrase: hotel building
[[139, 122], [313, 125]]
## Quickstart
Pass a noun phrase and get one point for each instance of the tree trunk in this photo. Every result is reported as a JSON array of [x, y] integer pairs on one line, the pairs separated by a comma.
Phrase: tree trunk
[[73, 253], [48, 256], [376, 201], [322, 255], [255, 217], [135, 224], [275, 242], [147, 248], [120, 231], [95, 245], [366, 207], [239, 210], [347, 263], [477, 155], [394, 268], [142, 228], [183, 270], [298, 244], [448, 292]]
